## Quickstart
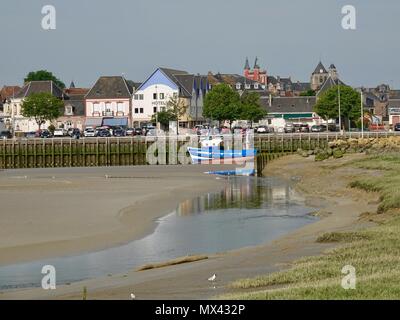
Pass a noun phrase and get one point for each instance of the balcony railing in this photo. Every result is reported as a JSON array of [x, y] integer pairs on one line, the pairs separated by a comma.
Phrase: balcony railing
[[108, 114]]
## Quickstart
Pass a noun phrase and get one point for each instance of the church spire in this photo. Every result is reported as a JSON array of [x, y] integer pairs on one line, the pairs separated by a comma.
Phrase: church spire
[[256, 66], [247, 65]]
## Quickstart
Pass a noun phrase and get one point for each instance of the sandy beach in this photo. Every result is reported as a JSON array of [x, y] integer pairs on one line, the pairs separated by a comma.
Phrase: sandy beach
[[323, 186]]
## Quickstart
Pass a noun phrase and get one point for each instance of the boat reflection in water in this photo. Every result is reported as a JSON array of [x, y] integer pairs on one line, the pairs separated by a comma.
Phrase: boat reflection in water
[[243, 193]]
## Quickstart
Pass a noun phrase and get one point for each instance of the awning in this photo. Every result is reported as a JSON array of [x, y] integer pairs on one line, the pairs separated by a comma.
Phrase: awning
[[115, 122], [292, 115], [93, 122]]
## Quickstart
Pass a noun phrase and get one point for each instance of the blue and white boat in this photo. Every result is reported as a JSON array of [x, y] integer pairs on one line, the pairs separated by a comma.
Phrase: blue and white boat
[[212, 153]]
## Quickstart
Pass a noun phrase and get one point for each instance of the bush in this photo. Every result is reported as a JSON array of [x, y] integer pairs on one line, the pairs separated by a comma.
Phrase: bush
[[337, 153], [321, 156]]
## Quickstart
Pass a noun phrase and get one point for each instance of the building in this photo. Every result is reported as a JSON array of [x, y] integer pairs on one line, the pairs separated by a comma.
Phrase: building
[[255, 74], [165, 85], [7, 93], [282, 110], [285, 87], [109, 102], [13, 111], [237, 82], [383, 103], [73, 113]]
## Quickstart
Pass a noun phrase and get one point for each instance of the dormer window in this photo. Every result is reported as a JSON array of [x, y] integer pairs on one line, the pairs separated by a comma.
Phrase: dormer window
[[238, 86], [256, 86], [247, 86]]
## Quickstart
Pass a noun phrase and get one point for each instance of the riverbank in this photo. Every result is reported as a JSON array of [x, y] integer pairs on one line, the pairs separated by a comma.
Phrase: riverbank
[[64, 211], [370, 254], [324, 186]]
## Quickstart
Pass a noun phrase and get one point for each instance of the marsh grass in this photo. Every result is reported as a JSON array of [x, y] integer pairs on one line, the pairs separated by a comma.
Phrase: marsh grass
[[374, 252]]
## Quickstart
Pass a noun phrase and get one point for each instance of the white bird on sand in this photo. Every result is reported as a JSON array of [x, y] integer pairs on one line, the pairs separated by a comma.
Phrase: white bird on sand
[[213, 278], [133, 297]]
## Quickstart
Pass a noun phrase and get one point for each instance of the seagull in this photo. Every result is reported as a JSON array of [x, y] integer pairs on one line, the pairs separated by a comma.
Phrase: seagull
[[133, 297], [213, 278]]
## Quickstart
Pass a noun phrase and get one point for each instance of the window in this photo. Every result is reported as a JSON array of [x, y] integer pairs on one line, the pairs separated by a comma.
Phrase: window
[[238, 86], [120, 107], [141, 110], [162, 108], [247, 86], [155, 96], [68, 110], [136, 97], [136, 110], [140, 96], [155, 109], [96, 107], [175, 95], [162, 96], [256, 86], [108, 106]]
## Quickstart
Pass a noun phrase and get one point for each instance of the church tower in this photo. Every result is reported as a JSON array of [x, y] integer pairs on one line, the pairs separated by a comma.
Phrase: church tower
[[319, 76]]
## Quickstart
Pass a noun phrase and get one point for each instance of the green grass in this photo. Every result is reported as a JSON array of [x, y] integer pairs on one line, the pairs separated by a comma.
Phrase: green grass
[[374, 252]]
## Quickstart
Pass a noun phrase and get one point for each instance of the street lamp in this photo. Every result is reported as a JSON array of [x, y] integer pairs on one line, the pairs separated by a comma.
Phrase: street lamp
[[362, 114], [340, 116]]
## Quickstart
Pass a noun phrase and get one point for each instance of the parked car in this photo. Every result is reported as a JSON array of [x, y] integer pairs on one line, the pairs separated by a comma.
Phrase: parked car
[[318, 128], [262, 129], [31, 135], [104, 133], [5, 134], [138, 132], [130, 131], [75, 133], [45, 134], [119, 132], [89, 132], [69, 131], [289, 128], [396, 127], [60, 132], [147, 129], [304, 128]]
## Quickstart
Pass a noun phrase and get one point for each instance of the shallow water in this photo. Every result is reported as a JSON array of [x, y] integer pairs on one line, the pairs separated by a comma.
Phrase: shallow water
[[250, 211]]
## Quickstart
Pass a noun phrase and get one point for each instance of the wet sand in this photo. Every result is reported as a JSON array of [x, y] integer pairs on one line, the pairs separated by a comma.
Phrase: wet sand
[[323, 185], [57, 212]]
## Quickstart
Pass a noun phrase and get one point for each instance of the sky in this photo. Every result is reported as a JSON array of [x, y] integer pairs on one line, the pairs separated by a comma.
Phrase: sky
[[130, 37]]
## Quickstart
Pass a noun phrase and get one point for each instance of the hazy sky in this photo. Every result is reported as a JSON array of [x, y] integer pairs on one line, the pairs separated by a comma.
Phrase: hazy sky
[[99, 37]]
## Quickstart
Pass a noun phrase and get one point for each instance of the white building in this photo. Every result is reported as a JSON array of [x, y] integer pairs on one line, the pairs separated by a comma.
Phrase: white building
[[13, 117], [153, 95]]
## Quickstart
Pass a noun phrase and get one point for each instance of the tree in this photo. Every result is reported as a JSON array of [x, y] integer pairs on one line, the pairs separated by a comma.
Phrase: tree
[[42, 107], [177, 109], [222, 103], [308, 93], [44, 75], [251, 108], [328, 104], [164, 117]]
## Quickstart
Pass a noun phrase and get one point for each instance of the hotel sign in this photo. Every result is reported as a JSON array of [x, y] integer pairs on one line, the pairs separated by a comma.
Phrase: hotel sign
[[159, 103]]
